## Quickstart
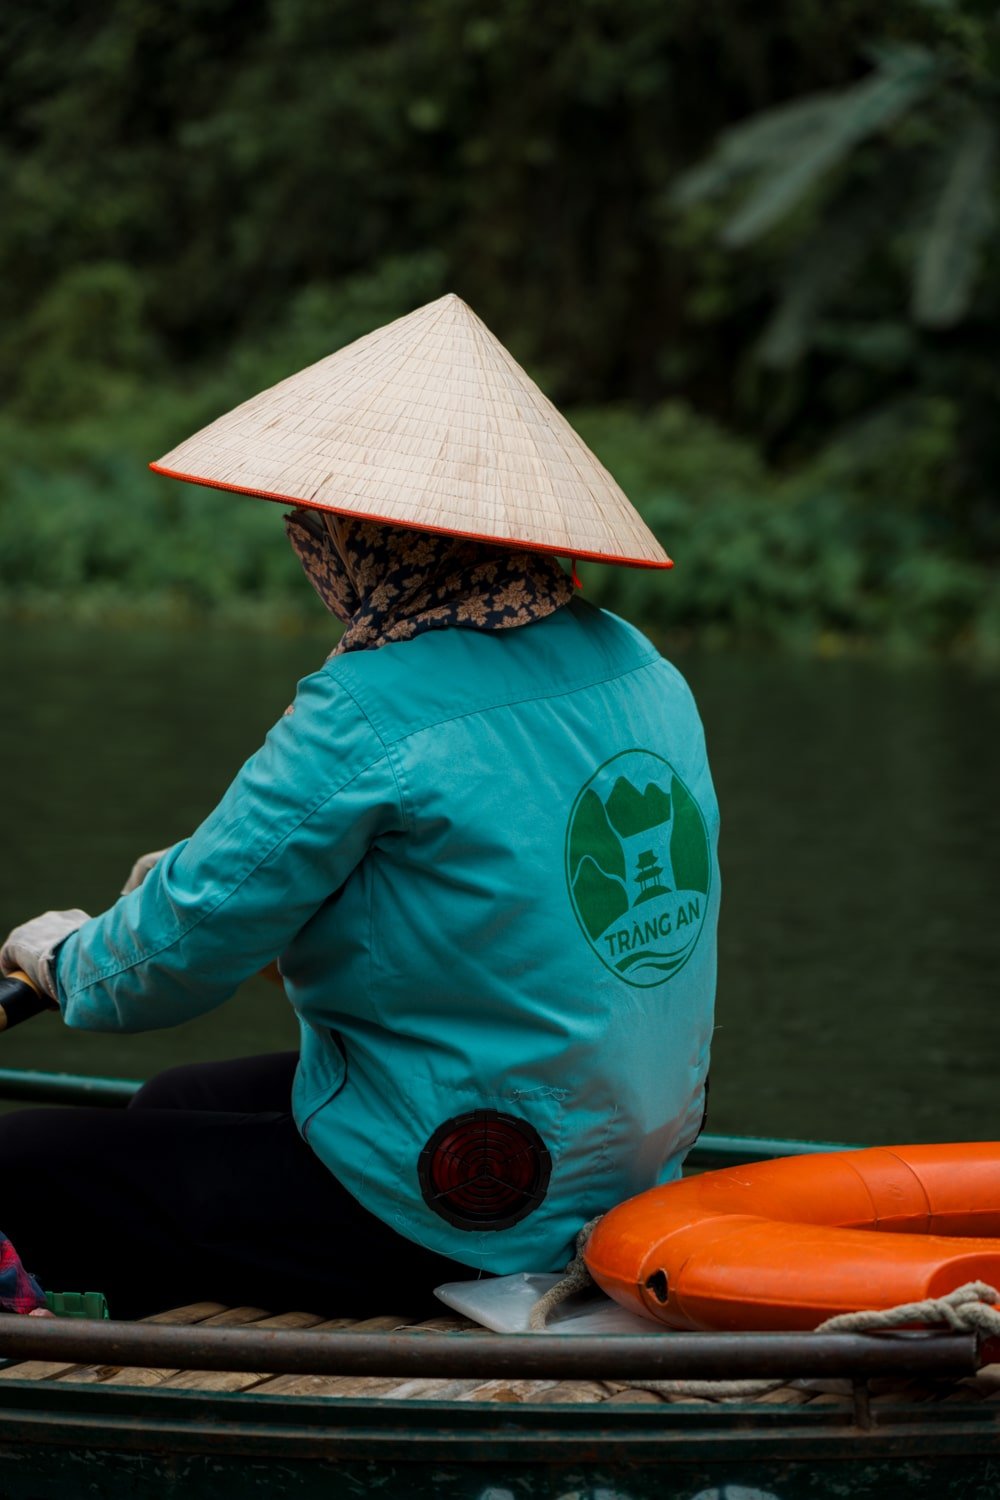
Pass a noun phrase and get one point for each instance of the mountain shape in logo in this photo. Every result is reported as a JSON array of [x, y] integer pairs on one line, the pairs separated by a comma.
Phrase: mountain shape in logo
[[600, 900], [598, 862], [688, 845], [633, 812]]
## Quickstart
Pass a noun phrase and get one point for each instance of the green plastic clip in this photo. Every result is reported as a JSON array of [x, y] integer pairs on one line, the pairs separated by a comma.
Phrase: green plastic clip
[[77, 1304]]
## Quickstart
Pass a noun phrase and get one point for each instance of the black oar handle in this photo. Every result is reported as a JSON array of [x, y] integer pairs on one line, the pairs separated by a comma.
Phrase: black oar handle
[[19, 1000]]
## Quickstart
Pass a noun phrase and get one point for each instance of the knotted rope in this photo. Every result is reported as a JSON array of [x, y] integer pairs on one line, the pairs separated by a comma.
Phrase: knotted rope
[[970, 1308]]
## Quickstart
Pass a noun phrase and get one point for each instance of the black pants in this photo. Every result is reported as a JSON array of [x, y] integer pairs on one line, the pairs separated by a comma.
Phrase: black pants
[[202, 1190]]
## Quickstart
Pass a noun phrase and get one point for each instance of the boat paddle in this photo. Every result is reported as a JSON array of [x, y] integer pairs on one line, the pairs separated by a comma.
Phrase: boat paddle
[[19, 1000]]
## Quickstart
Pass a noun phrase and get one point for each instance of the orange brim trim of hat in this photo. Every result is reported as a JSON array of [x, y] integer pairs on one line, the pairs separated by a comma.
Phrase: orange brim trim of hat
[[361, 515]]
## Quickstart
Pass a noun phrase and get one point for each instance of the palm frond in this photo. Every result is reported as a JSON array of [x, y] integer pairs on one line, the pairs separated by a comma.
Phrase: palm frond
[[872, 105], [753, 144], [852, 223], [949, 258]]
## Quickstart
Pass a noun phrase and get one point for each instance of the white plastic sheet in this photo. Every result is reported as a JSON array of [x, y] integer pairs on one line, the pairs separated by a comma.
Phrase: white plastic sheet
[[504, 1303]]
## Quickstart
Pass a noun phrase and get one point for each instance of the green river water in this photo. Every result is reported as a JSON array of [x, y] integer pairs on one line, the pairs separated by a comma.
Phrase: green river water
[[859, 939]]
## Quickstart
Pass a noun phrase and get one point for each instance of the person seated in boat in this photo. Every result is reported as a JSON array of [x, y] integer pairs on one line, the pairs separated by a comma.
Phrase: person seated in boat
[[481, 843]]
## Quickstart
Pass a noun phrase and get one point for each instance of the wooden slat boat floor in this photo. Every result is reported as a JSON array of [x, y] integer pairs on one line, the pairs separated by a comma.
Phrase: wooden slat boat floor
[[985, 1386]]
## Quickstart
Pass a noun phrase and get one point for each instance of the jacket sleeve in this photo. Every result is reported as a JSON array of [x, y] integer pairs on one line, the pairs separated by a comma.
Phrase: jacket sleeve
[[297, 820]]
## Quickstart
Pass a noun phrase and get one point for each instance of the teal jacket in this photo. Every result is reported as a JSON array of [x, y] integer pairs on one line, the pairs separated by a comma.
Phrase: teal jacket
[[488, 864]]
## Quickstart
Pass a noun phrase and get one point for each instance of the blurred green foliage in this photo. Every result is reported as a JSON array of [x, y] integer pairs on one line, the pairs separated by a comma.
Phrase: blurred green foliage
[[745, 248]]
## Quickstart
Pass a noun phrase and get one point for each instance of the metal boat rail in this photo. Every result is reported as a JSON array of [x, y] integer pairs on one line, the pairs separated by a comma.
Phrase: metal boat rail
[[667, 1356]]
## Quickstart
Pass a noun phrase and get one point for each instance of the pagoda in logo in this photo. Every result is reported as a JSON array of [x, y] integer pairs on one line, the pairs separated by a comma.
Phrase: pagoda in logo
[[648, 873]]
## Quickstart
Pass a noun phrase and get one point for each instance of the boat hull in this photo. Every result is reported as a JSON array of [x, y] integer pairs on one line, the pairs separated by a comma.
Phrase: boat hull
[[110, 1443]]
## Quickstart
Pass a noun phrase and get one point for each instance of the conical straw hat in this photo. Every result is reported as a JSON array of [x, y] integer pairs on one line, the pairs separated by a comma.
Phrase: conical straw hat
[[427, 422]]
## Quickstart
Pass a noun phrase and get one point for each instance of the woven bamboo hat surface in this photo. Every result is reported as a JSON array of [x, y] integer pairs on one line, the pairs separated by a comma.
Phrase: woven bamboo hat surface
[[427, 422]]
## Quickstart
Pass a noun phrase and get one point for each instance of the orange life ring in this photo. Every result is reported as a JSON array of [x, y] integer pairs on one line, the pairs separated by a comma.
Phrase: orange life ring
[[788, 1243]]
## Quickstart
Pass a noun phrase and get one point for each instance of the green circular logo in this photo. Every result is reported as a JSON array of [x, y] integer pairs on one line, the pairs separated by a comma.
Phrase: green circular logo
[[638, 867]]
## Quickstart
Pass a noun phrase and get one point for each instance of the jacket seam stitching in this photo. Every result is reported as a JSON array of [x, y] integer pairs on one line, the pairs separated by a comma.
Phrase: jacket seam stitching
[[184, 931], [486, 708], [386, 750], [568, 692]]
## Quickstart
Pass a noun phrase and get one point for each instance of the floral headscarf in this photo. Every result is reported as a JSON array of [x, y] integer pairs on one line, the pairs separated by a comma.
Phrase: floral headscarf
[[389, 583]]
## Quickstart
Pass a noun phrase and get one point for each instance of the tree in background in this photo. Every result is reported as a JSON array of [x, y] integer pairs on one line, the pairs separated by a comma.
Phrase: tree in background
[[203, 197], [176, 176], [874, 206]]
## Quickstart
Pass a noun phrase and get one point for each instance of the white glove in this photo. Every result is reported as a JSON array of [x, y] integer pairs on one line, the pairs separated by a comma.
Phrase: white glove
[[141, 869], [30, 947]]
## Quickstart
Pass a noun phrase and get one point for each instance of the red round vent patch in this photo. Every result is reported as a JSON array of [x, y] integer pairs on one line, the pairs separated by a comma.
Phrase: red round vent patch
[[484, 1170]]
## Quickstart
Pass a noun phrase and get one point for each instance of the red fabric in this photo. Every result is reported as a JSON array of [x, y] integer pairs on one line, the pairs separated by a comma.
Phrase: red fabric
[[19, 1291]]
